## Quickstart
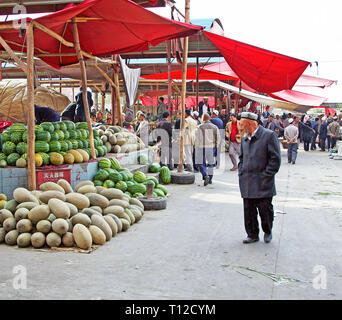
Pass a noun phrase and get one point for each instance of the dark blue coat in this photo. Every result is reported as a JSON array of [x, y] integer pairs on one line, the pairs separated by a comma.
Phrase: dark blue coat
[[79, 112], [323, 132], [45, 114], [260, 160], [217, 122]]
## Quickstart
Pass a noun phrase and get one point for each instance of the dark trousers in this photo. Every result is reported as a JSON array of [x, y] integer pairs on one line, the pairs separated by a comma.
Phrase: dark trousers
[[292, 151], [306, 145], [313, 142], [205, 158], [328, 142], [251, 208], [322, 143], [333, 142]]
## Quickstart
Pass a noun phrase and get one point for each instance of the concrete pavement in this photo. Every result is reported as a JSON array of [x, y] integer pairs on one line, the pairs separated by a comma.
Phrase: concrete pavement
[[194, 250]]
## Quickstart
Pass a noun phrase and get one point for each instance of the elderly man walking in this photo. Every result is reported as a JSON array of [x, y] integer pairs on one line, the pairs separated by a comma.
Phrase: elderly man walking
[[207, 139], [334, 130], [190, 126], [291, 135], [259, 162], [234, 134]]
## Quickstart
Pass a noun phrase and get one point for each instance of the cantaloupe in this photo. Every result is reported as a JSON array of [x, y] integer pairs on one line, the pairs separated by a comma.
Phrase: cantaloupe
[[11, 237], [51, 194], [2, 234], [38, 239], [131, 215], [22, 195], [11, 205], [69, 158], [84, 155], [97, 208], [125, 224], [53, 239], [47, 186], [59, 208], [82, 236], [68, 240], [112, 193], [81, 218], [97, 200], [44, 226], [113, 209], [4, 214], [38, 213], [89, 212], [111, 224], [97, 235], [9, 224], [24, 225], [60, 226], [65, 185], [73, 209], [117, 202], [56, 159], [102, 224], [87, 189], [27, 205], [24, 240], [79, 200], [2, 204], [77, 156], [117, 221], [38, 160], [84, 183], [136, 202]]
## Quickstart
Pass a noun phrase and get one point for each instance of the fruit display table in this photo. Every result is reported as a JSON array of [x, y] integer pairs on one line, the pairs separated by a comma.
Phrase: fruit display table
[[13, 177]]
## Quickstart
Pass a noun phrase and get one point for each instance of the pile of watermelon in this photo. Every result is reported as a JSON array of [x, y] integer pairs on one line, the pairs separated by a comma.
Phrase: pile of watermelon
[[111, 175], [53, 141]]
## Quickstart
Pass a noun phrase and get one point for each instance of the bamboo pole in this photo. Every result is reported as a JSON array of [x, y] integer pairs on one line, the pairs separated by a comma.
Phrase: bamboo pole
[[11, 53], [184, 70], [31, 165], [84, 85], [117, 94], [105, 75]]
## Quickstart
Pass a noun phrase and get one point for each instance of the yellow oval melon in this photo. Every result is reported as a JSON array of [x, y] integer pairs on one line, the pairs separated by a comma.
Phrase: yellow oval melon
[[78, 157], [69, 158], [84, 155], [38, 160], [56, 159]]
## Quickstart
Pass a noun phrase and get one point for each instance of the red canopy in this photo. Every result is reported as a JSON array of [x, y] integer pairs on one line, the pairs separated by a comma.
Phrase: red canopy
[[215, 71], [298, 97], [262, 70], [109, 27], [309, 81]]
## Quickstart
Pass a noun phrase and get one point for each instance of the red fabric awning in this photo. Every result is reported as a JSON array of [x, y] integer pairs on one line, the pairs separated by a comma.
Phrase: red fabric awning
[[264, 71], [298, 97], [215, 71], [309, 81], [112, 27]]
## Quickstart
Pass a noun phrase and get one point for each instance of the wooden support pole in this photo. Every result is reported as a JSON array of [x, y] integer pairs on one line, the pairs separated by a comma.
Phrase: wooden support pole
[[113, 105], [84, 85], [197, 81], [169, 83], [11, 53], [184, 70], [31, 165], [117, 95], [106, 76]]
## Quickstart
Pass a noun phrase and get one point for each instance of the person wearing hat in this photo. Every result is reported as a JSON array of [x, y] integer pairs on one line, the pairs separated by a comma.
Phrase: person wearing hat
[[334, 131], [315, 126], [260, 160], [195, 116], [207, 139], [234, 134], [271, 124], [143, 129], [291, 135]]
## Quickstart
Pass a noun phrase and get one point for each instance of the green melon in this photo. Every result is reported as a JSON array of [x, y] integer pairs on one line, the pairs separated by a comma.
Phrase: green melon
[[54, 136], [137, 195], [101, 175], [56, 125], [165, 175], [159, 193], [38, 129], [55, 146], [21, 147], [121, 185], [45, 157], [24, 137], [82, 125], [3, 156], [64, 146], [154, 180], [115, 163], [162, 188], [139, 176], [69, 144], [95, 133], [80, 144], [70, 125], [154, 168], [83, 134], [66, 135], [98, 183], [12, 159], [109, 184], [100, 151], [63, 126], [116, 177], [72, 134], [41, 146], [8, 148], [48, 126], [104, 163], [5, 137], [74, 144], [60, 134], [17, 127], [43, 136], [86, 144], [137, 188], [3, 163], [17, 137]]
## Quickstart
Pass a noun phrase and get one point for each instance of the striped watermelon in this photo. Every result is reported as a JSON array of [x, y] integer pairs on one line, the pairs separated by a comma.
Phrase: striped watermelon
[[21, 147], [66, 135], [115, 163], [16, 137], [8, 148], [17, 127], [45, 157], [3, 156], [5, 137], [139, 176], [54, 136], [82, 125], [165, 175], [41, 146], [72, 134], [104, 163], [12, 159], [55, 146], [43, 136], [63, 126], [48, 126], [70, 125], [56, 125], [64, 146], [60, 134]]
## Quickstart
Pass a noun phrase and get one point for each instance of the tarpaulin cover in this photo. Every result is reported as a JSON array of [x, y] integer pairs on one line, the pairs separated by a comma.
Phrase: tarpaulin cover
[[114, 27], [262, 99], [298, 97], [215, 71], [310, 81], [262, 70]]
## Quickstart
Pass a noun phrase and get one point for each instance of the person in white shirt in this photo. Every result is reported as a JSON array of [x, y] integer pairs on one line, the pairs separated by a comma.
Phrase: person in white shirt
[[291, 136]]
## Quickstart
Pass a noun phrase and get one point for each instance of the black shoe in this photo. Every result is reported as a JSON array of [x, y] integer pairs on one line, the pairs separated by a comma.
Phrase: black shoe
[[289, 161], [293, 162], [206, 181], [267, 237], [250, 240]]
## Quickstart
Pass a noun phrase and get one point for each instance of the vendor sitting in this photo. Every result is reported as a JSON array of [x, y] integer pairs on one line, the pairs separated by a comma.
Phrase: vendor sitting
[[45, 114]]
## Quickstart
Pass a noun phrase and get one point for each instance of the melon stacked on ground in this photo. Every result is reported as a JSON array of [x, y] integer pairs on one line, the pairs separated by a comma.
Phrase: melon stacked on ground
[[56, 143], [56, 215], [119, 140], [111, 175]]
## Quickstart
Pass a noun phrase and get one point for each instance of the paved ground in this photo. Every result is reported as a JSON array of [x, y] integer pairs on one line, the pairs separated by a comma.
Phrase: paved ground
[[194, 250]]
